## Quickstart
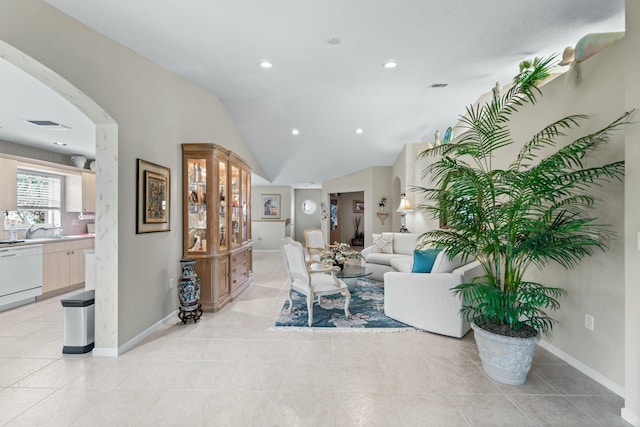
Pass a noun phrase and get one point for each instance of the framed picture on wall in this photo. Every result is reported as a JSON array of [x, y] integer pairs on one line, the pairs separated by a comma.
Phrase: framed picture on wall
[[358, 206], [153, 198], [271, 206]]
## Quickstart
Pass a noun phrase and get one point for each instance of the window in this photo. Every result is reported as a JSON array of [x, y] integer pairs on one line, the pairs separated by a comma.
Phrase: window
[[39, 199]]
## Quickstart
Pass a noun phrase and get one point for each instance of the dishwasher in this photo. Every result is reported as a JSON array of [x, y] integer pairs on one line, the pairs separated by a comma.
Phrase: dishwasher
[[20, 275]]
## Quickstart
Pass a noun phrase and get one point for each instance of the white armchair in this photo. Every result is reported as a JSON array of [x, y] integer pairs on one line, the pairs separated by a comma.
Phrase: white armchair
[[311, 282], [424, 300], [315, 244]]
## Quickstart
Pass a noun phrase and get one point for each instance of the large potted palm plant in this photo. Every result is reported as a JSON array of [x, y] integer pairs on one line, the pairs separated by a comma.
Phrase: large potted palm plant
[[534, 211]]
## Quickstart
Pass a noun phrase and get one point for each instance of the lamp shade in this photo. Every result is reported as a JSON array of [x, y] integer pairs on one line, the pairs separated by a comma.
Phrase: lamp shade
[[405, 205]]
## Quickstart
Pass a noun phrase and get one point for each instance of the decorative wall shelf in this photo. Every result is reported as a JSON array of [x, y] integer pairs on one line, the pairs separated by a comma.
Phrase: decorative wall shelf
[[383, 216]]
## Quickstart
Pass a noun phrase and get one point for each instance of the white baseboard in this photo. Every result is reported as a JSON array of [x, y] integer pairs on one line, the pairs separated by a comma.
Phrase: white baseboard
[[591, 373], [104, 352], [115, 352], [630, 417]]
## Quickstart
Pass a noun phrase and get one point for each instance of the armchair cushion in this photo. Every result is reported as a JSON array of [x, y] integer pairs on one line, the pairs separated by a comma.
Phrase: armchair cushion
[[424, 260]]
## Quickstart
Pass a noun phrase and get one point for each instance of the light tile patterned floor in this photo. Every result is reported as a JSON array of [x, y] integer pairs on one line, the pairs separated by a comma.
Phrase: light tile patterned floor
[[231, 370]]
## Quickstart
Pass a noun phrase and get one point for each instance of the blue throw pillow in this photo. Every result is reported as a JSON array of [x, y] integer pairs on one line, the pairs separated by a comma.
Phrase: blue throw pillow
[[423, 260]]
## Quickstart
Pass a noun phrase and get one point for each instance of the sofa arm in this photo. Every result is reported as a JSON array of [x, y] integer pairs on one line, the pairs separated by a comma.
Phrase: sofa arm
[[425, 301], [366, 251]]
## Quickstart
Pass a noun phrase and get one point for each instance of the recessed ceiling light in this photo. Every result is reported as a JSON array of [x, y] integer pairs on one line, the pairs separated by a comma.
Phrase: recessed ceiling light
[[438, 85], [390, 64], [60, 143], [266, 64], [359, 131], [294, 131], [334, 41]]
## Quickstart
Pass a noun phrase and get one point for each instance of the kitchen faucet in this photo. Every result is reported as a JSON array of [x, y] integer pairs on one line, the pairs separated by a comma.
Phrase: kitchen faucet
[[35, 227]]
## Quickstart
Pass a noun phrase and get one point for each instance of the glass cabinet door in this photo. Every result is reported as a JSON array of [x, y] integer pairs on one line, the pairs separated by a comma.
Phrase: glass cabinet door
[[196, 205], [222, 219], [236, 206], [246, 186]]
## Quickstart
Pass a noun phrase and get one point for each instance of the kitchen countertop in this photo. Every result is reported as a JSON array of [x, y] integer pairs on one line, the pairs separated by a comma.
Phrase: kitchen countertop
[[45, 240]]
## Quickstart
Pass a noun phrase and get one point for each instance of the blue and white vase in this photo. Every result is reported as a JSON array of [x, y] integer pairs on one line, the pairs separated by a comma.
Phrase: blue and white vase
[[189, 286]]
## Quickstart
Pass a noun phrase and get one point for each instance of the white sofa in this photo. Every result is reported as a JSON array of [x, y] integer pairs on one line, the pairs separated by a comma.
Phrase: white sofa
[[425, 301], [400, 260]]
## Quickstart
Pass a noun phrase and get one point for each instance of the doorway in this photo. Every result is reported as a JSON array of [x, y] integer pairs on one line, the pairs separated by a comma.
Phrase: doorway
[[346, 218], [106, 134], [334, 218]]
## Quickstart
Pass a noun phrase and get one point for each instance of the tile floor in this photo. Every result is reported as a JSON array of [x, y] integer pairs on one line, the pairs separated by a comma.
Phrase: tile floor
[[231, 370]]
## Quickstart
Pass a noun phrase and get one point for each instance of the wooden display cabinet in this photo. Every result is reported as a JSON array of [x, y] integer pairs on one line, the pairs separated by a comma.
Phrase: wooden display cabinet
[[217, 221]]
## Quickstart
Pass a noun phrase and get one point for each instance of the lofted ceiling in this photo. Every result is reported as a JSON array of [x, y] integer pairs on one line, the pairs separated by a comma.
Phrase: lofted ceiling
[[328, 78]]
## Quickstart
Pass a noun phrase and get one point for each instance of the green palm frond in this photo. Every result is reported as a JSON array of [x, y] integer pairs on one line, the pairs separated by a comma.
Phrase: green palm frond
[[536, 211]]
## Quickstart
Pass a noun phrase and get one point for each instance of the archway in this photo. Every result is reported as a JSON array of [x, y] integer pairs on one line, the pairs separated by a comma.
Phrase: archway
[[106, 321]]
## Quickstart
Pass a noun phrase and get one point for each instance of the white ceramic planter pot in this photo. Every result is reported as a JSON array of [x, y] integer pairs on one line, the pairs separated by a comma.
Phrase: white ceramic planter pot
[[505, 359]]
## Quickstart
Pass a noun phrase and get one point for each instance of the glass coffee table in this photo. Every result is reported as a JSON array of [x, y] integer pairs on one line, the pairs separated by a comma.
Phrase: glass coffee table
[[351, 273]]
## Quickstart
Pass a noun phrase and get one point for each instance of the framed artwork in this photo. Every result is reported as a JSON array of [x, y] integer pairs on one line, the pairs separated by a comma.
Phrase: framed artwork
[[358, 206], [271, 206], [152, 198]]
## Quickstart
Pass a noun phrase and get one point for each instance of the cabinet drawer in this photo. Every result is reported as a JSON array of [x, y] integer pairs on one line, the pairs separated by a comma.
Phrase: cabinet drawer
[[239, 272], [239, 260], [69, 245]]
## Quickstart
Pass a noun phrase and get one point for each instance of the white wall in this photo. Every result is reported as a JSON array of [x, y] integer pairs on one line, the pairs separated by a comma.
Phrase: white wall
[[422, 221], [267, 233], [155, 112], [407, 172], [303, 220], [596, 286], [631, 63], [374, 182]]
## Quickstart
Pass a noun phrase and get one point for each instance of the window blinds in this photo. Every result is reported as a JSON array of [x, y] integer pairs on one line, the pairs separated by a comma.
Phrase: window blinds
[[39, 191]]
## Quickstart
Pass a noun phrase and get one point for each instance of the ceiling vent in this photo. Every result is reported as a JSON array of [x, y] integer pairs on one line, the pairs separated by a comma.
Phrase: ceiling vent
[[48, 124]]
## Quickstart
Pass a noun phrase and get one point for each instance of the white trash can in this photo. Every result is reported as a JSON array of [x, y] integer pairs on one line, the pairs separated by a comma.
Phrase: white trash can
[[79, 316]]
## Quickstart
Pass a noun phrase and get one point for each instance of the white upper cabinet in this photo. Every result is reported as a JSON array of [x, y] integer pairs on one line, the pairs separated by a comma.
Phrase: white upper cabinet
[[80, 192], [8, 184]]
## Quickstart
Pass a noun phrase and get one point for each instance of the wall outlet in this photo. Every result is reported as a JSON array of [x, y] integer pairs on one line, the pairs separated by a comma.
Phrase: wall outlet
[[589, 322], [171, 283], [75, 222]]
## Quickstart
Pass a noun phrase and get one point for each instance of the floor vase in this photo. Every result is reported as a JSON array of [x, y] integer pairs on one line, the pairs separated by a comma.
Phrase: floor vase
[[189, 292], [505, 359]]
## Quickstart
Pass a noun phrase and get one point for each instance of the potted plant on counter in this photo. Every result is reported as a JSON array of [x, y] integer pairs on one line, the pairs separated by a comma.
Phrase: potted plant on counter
[[534, 211]]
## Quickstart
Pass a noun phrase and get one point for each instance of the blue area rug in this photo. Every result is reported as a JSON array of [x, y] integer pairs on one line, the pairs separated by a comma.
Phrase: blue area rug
[[366, 308]]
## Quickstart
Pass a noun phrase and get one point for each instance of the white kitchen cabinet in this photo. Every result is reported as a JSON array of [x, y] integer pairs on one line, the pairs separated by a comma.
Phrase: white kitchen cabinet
[[8, 183], [63, 264], [80, 192]]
